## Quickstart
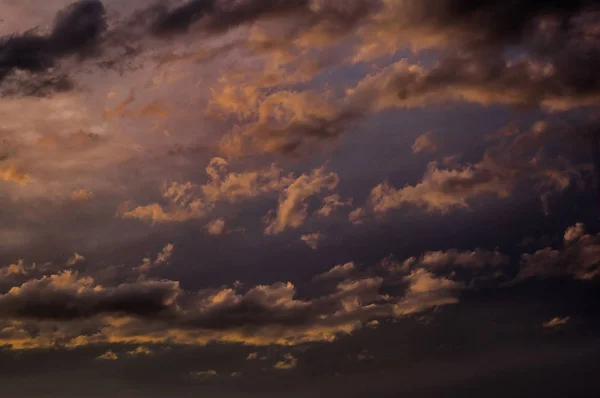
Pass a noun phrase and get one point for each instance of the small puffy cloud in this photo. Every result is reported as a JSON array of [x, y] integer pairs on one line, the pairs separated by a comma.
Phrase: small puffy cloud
[[236, 374], [556, 322], [140, 351], [292, 210], [216, 227], [287, 363], [574, 233], [252, 356], [341, 271], [108, 356], [426, 142], [75, 259], [312, 239]]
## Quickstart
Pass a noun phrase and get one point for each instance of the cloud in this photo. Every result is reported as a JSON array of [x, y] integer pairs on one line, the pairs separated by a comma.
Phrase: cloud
[[162, 258], [426, 290], [108, 356], [72, 311], [188, 201], [426, 142], [444, 189], [579, 258], [331, 203], [574, 233], [453, 258], [556, 322], [288, 362], [203, 374], [11, 174], [312, 239], [82, 195], [216, 227], [65, 296], [77, 31], [341, 271], [500, 170], [75, 259], [292, 210], [252, 356], [140, 351]]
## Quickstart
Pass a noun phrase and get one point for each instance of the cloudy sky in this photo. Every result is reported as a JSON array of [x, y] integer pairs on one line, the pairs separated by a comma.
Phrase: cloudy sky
[[299, 198]]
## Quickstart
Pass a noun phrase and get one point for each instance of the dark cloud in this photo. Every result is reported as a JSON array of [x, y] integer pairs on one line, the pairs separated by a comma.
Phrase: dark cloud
[[64, 296], [77, 31]]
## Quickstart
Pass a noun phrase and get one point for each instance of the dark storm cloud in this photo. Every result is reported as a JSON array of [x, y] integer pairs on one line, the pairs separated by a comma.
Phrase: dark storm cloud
[[77, 30], [65, 297]]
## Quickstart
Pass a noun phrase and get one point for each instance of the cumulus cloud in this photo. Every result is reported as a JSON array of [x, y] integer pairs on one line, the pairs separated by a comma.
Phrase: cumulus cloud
[[495, 175], [292, 210], [579, 257], [187, 201], [312, 239], [216, 227]]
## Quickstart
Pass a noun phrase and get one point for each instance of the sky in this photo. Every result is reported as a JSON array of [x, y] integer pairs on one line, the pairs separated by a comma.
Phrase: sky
[[299, 198]]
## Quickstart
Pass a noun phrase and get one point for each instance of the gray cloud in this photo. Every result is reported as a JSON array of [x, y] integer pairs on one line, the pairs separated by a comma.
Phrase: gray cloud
[[77, 30]]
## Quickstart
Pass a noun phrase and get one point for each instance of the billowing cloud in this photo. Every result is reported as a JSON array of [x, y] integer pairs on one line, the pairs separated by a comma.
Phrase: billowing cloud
[[186, 201]]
